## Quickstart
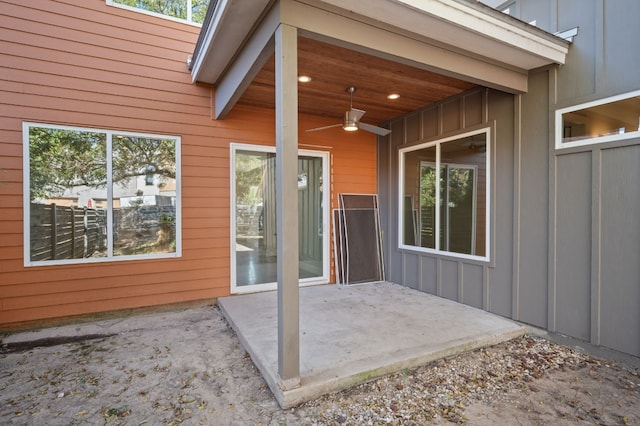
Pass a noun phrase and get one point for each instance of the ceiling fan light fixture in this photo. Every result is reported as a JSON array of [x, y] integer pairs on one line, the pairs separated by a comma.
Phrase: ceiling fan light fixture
[[352, 118], [350, 124]]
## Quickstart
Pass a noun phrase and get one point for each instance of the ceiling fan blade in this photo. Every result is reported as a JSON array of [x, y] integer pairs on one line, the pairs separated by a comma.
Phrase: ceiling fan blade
[[374, 129], [356, 114], [323, 128]]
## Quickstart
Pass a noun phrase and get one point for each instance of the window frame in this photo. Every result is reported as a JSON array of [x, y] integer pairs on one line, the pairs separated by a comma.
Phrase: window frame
[[438, 166], [559, 130], [474, 201], [188, 21], [234, 147], [110, 257]]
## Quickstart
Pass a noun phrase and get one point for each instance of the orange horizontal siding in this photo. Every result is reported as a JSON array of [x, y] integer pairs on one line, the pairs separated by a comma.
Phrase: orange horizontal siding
[[205, 171], [114, 120], [220, 204], [201, 147], [8, 150], [41, 102], [40, 313], [32, 80], [207, 253], [50, 47], [12, 188], [80, 21], [38, 91], [13, 176], [12, 240], [85, 64], [13, 271], [204, 230], [9, 227], [10, 212], [62, 74], [201, 182], [66, 275], [99, 288], [8, 163], [85, 279], [210, 243], [221, 163]]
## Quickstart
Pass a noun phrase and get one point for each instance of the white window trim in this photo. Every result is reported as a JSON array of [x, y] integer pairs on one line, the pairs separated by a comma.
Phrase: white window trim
[[156, 14], [401, 173], [110, 257], [326, 211], [591, 141]]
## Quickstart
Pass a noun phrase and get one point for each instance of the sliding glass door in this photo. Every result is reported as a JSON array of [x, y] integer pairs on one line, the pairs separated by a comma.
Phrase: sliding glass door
[[254, 249]]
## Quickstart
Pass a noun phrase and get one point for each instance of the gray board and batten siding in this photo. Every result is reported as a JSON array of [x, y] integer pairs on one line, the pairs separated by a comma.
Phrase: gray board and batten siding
[[594, 196], [485, 285], [565, 223]]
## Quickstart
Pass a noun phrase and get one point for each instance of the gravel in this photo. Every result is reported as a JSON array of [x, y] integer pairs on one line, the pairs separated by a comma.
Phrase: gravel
[[441, 390]]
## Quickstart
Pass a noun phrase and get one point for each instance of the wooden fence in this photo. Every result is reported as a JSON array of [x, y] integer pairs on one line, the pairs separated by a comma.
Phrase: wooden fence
[[59, 232]]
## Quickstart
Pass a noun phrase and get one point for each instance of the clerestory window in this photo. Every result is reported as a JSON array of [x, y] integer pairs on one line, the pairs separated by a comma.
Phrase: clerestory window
[[190, 11], [605, 120]]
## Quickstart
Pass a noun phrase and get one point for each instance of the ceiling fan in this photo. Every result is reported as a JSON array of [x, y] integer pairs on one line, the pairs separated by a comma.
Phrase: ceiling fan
[[352, 120]]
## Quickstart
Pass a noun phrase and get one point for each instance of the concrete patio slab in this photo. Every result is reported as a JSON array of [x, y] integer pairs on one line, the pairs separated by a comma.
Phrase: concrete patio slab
[[352, 334]]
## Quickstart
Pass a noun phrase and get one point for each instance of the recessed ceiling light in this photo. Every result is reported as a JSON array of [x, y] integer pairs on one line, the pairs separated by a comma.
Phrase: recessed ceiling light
[[393, 96], [304, 79]]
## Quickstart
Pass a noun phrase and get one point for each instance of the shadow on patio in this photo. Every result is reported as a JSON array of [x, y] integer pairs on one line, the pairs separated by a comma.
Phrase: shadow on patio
[[351, 334]]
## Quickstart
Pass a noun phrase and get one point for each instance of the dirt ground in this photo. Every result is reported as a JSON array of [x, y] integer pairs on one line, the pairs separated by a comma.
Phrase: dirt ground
[[188, 367]]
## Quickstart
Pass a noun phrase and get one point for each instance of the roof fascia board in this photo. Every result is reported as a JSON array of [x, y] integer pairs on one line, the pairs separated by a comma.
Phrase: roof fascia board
[[341, 30], [224, 33], [453, 22], [247, 64], [211, 31], [495, 25]]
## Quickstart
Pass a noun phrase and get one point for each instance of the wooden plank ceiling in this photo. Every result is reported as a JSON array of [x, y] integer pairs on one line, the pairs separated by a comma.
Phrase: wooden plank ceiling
[[333, 69]]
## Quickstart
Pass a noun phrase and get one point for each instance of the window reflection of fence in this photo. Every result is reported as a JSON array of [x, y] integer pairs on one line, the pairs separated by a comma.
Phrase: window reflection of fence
[[59, 232]]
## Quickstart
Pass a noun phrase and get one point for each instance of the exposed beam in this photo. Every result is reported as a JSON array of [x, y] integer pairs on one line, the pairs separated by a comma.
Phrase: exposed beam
[[246, 65], [286, 46]]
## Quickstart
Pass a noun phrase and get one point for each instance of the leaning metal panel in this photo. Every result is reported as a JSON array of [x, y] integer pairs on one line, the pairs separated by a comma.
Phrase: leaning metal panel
[[360, 253], [339, 246]]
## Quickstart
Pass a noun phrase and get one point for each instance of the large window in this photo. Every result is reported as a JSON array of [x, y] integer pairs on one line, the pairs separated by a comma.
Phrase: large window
[[94, 195], [444, 196], [605, 120], [191, 11]]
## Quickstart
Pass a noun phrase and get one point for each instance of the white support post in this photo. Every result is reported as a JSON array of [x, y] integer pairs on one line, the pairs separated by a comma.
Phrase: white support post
[[287, 206]]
